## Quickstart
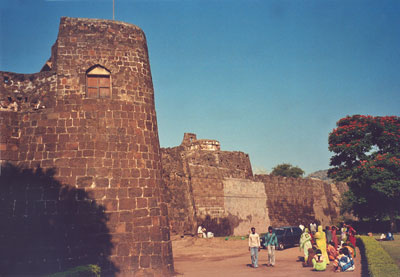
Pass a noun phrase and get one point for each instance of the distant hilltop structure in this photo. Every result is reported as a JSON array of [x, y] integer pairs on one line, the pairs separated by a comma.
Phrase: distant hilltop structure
[[85, 124], [217, 189]]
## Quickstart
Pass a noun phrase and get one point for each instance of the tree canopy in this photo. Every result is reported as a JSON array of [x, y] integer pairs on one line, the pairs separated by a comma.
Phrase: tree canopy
[[287, 170], [367, 156]]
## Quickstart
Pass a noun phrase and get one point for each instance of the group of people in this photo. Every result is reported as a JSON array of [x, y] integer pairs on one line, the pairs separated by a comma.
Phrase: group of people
[[322, 247], [202, 233], [270, 242], [384, 236]]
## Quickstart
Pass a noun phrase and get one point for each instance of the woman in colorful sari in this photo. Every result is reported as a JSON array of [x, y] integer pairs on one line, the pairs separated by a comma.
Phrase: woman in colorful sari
[[346, 262], [351, 235], [305, 243], [332, 252], [334, 236], [320, 239], [350, 249]]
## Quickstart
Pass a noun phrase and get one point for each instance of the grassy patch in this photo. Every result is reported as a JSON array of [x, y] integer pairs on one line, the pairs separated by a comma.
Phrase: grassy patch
[[81, 271], [393, 248], [235, 237], [379, 261]]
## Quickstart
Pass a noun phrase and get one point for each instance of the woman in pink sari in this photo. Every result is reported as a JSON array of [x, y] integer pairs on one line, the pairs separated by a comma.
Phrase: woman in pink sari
[[334, 236]]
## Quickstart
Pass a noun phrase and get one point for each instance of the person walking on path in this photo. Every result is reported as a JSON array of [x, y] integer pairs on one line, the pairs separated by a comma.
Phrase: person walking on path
[[271, 242], [254, 247]]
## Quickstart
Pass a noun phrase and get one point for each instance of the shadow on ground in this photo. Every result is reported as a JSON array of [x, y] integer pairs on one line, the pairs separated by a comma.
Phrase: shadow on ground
[[47, 226], [364, 263]]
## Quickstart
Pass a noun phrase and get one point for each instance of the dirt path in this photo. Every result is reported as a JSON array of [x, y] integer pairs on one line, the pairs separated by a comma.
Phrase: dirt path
[[217, 257]]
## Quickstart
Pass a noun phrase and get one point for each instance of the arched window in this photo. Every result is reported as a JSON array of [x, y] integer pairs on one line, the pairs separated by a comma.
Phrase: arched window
[[98, 83]]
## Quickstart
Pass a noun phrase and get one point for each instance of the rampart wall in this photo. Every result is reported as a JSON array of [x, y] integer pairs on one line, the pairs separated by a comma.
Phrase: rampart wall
[[293, 201], [245, 203], [207, 170], [179, 192], [85, 129], [194, 179], [228, 199]]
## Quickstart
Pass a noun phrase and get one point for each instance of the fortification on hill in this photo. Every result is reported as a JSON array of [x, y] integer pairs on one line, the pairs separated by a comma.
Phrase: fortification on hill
[[217, 189], [81, 141]]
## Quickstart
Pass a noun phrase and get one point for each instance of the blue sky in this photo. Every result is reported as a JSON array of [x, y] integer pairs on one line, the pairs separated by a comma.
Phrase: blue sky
[[269, 78]]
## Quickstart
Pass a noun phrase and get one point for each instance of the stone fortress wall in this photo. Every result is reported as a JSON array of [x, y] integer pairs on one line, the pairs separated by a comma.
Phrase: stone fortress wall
[[217, 188], [87, 123], [293, 201], [83, 175]]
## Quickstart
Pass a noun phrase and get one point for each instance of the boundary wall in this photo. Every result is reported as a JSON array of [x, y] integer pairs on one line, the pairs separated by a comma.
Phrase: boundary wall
[[217, 189]]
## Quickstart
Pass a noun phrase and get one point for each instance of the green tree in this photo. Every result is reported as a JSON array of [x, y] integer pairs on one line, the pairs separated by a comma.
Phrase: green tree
[[287, 170], [367, 156]]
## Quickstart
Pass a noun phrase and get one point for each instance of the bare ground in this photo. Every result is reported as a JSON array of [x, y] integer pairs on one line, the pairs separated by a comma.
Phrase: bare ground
[[217, 257]]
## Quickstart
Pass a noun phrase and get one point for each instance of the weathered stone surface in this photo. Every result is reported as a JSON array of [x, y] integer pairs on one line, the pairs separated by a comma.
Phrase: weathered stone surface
[[216, 189], [292, 201], [246, 201], [107, 146]]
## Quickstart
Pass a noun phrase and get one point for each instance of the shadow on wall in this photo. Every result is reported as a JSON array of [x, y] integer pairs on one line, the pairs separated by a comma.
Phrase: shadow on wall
[[48, 227], [219, 226]]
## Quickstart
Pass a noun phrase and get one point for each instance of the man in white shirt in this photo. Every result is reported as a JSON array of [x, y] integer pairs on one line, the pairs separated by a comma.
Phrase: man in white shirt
[[254, 247]]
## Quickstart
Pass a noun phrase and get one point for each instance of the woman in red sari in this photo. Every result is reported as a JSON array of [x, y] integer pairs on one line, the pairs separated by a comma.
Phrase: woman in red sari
[[334, 236], [351, 234]]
